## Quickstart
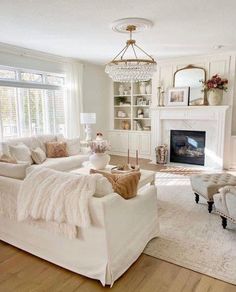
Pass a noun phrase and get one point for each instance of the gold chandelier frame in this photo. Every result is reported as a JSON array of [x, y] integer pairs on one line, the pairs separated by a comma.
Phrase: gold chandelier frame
[[119, 58]]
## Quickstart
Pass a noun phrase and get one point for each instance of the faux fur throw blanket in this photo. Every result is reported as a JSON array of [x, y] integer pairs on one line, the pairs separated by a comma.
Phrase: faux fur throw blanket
[[55, 196]]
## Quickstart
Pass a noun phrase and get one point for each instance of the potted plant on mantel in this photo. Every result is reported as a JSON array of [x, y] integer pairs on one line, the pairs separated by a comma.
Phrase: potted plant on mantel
[[215, 86]]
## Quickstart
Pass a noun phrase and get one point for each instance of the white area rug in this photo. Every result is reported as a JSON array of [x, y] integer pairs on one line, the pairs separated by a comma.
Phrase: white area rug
[[189, 236]]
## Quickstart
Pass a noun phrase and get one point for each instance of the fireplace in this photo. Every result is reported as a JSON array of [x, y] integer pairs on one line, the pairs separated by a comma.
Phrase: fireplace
[[187, 146]]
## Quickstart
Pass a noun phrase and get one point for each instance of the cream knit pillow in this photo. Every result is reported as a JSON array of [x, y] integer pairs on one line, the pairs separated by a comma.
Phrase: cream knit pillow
[[21, 153], [38, 155]]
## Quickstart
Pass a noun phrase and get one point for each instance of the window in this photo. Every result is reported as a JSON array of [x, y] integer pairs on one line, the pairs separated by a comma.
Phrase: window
[[31, 103]]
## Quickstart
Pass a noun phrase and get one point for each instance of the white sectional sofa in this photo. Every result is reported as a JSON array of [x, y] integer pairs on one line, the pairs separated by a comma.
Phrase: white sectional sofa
[[118, 234], [104, 250], [62, 164]]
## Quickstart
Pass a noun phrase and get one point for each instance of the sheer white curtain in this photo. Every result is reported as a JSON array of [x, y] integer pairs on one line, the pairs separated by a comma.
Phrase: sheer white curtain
[[74, 99]]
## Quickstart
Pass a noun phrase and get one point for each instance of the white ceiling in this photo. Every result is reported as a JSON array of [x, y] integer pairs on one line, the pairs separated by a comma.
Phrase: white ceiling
[[81, 29]]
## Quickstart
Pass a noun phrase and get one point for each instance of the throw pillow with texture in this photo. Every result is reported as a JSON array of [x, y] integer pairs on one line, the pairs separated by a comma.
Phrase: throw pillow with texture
[[126, 185], [21, 153], [56, 149], [7, 159], [38, 155]]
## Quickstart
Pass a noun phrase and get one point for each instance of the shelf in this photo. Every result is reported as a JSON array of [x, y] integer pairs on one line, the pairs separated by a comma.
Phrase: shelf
[[140, 94], [122, 118], [123, 95], [142, 118], [141, 105], [131, 131], [122, 106]]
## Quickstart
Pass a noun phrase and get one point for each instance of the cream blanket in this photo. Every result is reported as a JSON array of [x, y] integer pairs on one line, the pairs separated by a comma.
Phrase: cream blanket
[[54, 196]]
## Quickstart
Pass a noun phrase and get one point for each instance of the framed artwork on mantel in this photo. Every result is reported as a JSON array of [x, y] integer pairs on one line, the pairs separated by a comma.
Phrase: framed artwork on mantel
[[178, 96]]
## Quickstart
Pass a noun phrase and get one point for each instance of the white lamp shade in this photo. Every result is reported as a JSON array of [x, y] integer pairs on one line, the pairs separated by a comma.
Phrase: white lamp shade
[[88, 118]]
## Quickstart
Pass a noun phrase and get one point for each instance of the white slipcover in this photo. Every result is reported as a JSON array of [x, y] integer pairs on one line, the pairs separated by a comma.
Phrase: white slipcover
[[119, 232]]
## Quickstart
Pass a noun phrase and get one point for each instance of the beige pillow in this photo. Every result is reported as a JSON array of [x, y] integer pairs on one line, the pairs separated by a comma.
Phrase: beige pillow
[[56, 149], [21, 153], [38, 155], [103, 187], [125, 185], [17, 171], [7, 159]]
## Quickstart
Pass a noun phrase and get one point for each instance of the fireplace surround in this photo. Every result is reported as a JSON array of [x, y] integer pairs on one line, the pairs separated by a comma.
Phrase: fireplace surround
[[211, 119], [187, 146]]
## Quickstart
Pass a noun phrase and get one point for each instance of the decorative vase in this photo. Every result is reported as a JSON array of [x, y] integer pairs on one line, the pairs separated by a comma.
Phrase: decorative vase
[[149, 89], [142, 87], [215, 97], [121, 89], [99, 160]]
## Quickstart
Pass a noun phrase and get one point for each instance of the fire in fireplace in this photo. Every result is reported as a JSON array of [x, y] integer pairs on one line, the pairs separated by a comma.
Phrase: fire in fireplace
[[187, 146]]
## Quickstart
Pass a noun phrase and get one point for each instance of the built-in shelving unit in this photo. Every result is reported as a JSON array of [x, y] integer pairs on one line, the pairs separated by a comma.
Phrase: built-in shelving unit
[[132, 103]]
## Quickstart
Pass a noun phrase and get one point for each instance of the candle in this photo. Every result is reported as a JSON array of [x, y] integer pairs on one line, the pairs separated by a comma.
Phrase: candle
[[128, 156], [136, 157]]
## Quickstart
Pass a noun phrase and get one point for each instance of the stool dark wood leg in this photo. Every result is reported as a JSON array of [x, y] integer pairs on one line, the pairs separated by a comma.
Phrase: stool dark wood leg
[[210, 204], [224, 221], [196, 198]]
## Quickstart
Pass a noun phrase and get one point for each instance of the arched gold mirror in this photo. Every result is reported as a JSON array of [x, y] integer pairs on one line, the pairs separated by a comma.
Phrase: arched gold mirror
[[191, 76]]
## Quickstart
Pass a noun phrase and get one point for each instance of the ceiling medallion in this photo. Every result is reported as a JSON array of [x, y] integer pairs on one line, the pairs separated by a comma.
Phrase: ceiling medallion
[[131, 69]]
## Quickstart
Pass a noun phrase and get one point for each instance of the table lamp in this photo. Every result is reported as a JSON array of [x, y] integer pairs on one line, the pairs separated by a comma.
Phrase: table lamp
[[88, 119]]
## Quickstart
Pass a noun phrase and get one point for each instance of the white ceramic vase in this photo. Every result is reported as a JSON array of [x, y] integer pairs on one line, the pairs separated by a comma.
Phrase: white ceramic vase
[[215, 97], [99, 160], [149, 89], [142, 88], [121, 89]]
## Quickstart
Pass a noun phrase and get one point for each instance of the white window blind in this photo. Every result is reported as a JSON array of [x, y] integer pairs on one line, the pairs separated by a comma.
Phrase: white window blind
[[31, 103]]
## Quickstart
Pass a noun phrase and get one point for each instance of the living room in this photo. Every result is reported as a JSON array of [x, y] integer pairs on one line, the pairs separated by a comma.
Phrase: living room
[[117, 145]]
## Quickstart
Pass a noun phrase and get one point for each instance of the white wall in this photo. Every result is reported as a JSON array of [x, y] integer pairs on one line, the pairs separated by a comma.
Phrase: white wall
[[97, 97]]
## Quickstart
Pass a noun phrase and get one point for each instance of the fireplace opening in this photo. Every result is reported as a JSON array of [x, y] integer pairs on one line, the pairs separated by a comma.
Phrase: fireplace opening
[[187, 146]]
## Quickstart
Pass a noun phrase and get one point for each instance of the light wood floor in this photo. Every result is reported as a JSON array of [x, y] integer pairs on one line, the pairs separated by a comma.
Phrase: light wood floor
[[20, 271]]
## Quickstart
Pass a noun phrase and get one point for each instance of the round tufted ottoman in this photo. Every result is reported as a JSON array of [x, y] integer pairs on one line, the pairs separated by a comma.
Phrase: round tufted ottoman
[[207, 185]]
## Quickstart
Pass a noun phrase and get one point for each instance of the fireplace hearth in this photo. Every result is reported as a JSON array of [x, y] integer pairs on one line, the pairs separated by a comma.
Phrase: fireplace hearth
[[187, 146]]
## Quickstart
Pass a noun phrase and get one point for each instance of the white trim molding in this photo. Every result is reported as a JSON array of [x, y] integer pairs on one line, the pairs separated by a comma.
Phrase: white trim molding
[[211, 119]]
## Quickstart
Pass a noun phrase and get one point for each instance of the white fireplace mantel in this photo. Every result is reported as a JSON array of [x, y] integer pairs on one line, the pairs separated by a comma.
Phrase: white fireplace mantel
[[210, 119]]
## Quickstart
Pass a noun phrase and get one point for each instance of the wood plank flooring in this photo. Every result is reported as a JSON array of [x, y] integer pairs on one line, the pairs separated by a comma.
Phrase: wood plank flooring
[[22, 272]]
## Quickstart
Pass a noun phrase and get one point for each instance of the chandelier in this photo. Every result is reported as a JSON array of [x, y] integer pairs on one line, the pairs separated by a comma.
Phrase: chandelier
[[122, 69]]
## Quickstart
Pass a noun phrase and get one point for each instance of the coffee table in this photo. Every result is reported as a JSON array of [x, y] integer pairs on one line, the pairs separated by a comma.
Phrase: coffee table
[[147, 176]]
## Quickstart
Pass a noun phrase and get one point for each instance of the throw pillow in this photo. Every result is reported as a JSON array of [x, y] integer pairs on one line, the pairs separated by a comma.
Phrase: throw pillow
[[21, 153], [56, 149], [17, 171], [126, 185], [38, 155], [7, 159]]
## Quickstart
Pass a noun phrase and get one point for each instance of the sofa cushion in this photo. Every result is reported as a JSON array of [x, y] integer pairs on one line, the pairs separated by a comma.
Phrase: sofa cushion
[[103, 187], [126, 185], [43, 139], [65, 163], [17, 171], [21, 153], [56, 149], [72, 145], [7, 159], [38, 155], [30, 142]]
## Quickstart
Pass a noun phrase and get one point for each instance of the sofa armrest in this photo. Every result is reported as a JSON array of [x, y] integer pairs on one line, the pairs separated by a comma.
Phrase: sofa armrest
[[228, 189], [130, 224]]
